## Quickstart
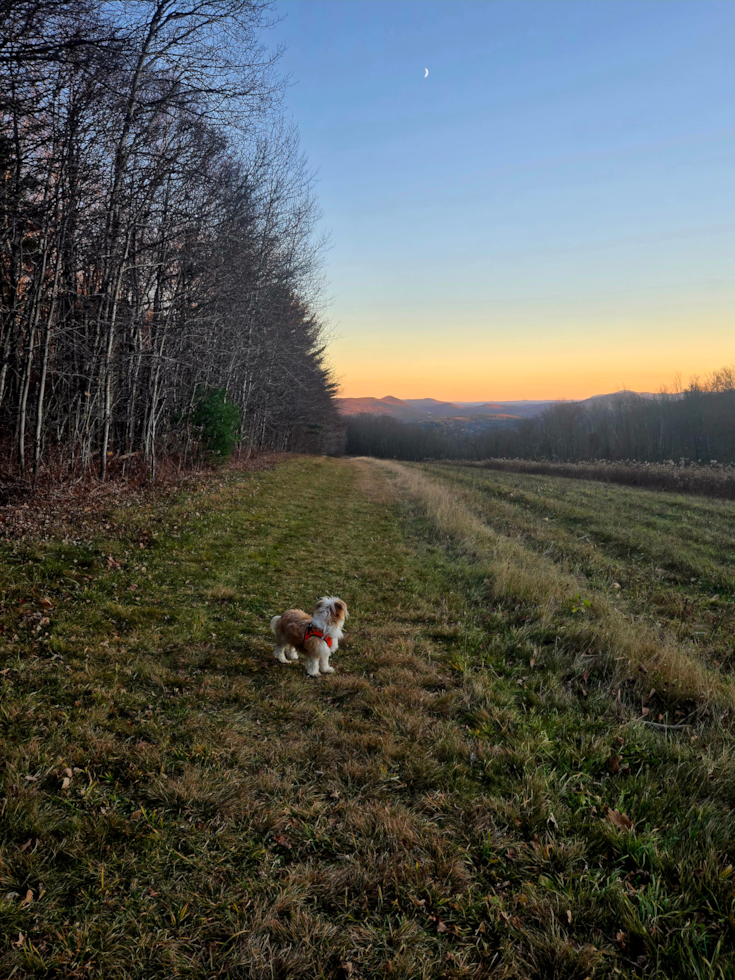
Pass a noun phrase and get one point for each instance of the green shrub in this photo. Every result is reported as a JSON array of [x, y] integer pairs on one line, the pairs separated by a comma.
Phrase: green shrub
[[218, 418]]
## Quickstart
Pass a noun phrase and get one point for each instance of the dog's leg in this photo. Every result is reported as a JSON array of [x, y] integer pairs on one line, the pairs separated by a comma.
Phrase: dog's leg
[[324, 660], [279, 654], [292, 655], [312, 666]]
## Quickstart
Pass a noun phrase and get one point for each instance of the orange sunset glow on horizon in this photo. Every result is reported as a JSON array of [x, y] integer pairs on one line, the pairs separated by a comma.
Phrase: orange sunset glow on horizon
[[549, 214], [461, 368]]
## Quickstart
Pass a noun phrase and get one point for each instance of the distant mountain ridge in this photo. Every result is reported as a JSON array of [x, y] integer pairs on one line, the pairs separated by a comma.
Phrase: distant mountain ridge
[[379, 406], [417, 409]]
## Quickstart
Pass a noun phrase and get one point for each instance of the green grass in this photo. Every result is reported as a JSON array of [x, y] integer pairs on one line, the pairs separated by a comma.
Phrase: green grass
[[173, 802], [673, 557]]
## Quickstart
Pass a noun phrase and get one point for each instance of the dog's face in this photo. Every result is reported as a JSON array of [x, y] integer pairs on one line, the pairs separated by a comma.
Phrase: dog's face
[[332, 610]]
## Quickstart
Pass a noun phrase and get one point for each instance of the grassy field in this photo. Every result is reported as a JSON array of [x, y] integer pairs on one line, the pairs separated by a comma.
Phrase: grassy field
[[523, 766], [713, 480], [669, 558]]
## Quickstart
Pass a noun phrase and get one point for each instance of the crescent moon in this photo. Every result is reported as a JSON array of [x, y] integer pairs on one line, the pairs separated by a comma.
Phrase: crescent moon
[[426, 72]]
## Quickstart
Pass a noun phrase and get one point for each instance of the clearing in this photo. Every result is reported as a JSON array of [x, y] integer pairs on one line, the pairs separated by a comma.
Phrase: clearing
[[523, 766]]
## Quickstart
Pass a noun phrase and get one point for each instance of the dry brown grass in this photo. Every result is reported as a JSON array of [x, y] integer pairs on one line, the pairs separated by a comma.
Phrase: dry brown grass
[[436, 808], [716, 480], [517, 572]]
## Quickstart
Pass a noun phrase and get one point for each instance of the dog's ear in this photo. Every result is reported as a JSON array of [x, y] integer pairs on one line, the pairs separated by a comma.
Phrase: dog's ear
[[340, 609]]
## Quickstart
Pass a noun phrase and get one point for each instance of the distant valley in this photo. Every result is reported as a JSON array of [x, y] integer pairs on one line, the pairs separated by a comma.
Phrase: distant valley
[[427, 409]]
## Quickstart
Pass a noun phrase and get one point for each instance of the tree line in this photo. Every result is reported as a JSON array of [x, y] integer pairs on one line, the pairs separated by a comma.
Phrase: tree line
[[695, 423], [157, 235]]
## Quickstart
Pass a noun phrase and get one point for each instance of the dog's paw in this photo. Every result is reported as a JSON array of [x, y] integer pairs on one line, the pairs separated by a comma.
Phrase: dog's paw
[[327, 670], [293, 655]]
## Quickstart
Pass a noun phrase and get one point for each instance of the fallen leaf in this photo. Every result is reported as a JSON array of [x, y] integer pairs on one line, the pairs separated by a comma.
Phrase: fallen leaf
[[620, 938], [533, 661], [19, 941], [569, 916], [47, 603], [552, 821], [65, 783], [645, 712], [28, 899], [614, 763], [620, 820]]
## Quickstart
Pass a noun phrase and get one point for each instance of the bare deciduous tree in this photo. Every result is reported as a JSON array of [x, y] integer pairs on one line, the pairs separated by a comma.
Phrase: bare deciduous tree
[[157, 232]]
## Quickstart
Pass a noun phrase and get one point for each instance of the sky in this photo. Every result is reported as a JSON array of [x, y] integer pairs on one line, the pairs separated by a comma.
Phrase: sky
[[549, 214]]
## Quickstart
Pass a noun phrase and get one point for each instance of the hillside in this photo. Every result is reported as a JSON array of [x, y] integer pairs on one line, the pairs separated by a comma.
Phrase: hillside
[[379, 406], [417, 409]]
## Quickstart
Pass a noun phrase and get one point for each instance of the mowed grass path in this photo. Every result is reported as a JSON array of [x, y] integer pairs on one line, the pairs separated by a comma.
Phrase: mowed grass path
[[463, 798]]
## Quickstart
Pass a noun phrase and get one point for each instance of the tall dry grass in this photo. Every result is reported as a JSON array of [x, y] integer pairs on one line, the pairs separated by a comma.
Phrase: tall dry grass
[[716, 480], [514, 571]]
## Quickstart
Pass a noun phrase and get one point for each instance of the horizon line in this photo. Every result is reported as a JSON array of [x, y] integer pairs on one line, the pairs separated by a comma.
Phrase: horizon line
[[504, 401]]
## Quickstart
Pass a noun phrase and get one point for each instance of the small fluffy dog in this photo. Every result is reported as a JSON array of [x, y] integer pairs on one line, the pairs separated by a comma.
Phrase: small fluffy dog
[[316, 636]]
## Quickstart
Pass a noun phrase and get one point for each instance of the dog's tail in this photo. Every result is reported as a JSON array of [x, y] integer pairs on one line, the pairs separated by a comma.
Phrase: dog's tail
[[274, 623]]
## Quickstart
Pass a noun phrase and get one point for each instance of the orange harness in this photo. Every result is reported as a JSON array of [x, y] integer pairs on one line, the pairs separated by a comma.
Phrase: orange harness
[[311, 630]]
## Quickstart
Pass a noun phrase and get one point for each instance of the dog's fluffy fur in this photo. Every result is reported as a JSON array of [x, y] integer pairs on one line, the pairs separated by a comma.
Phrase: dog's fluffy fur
[[290, 630]]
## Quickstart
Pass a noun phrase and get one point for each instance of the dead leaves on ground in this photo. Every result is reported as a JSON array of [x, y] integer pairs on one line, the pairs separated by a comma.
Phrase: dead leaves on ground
[[620, 820]]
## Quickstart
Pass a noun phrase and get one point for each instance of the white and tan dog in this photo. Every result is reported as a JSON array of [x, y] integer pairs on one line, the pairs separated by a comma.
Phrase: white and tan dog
[[316, 636]]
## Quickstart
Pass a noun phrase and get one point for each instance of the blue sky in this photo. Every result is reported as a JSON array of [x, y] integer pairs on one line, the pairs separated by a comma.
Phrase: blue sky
[[549, 214]]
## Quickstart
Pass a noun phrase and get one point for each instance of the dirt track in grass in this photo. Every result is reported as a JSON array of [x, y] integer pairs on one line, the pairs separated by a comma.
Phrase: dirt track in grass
[[463, 798]]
